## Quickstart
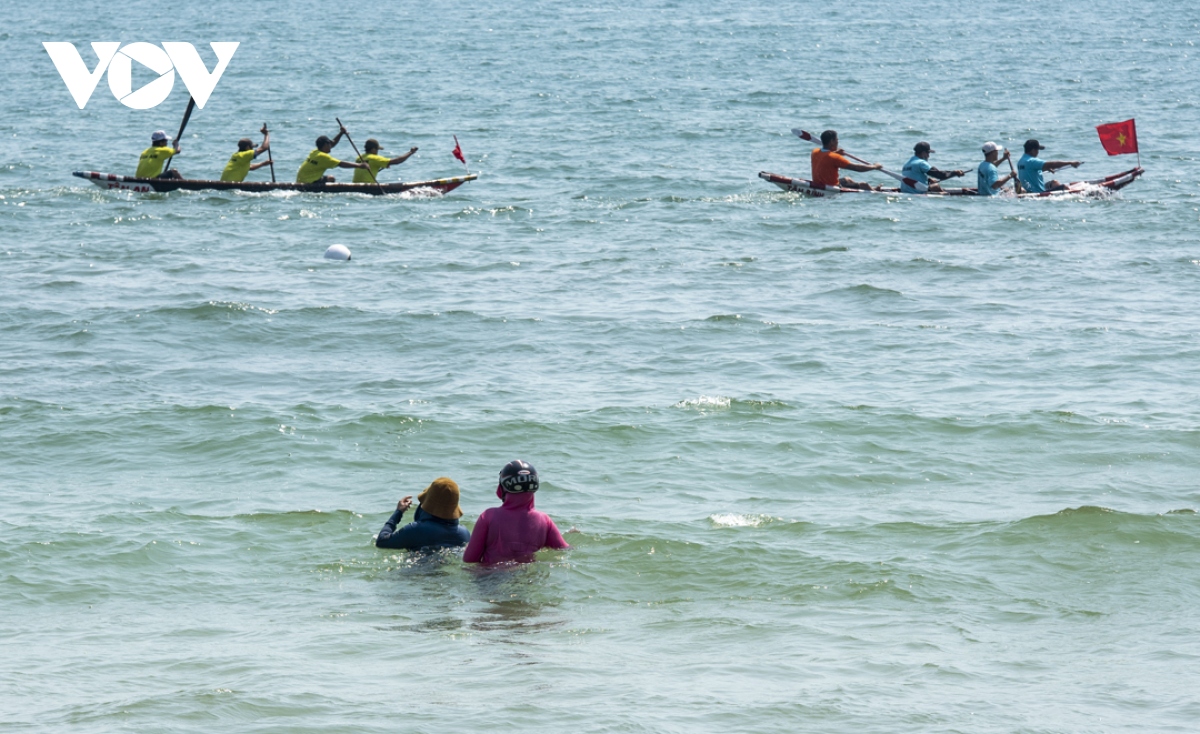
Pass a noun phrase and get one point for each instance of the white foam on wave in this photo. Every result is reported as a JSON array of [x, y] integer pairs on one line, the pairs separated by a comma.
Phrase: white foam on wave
[[731, 520], [705, 401]]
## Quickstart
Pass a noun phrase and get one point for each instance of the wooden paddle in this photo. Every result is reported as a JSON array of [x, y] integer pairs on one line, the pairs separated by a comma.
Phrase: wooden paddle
[[360, 157], [899, 177], [1016, 179], [186, 116], [270, 159]]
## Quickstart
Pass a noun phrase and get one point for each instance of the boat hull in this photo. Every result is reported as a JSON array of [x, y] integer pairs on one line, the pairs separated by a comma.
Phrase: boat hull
[[1094, 187], [117, 182]]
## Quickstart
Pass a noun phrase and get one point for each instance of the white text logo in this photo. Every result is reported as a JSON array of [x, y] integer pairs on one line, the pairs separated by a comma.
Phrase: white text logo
[[118, 61]]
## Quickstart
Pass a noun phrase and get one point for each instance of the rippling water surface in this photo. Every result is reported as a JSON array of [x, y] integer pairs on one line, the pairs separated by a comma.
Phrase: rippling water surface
[[874, 465]]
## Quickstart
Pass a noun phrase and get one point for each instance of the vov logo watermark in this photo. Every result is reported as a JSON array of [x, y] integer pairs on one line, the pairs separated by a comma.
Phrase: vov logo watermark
[[118, 61]]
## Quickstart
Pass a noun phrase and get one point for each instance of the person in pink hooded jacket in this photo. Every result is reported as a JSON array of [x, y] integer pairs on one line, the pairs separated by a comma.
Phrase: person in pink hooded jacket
[[513, 531]]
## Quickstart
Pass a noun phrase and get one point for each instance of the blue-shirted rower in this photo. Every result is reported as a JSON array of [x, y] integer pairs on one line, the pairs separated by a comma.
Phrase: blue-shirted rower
[[989, 180], [919, 169], [1030, 169]]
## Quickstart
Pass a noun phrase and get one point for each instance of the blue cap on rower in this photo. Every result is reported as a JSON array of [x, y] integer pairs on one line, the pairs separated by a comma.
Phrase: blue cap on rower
[[518, 476], [1032, 146], [158, 135]]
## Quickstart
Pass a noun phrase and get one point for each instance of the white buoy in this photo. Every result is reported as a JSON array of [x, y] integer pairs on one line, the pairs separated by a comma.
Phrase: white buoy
[[337, 252]]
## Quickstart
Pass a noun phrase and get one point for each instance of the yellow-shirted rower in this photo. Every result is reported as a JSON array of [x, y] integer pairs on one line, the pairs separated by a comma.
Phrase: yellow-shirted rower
[[313, 169], [377, 162], [242, 162], [152, 160]]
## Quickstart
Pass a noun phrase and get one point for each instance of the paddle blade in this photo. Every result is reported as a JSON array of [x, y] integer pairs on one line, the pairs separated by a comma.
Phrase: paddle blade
[[805, 135], [186, 116]]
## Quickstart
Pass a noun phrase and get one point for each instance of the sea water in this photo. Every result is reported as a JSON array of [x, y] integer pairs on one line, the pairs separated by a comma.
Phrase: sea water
[[873, 464]]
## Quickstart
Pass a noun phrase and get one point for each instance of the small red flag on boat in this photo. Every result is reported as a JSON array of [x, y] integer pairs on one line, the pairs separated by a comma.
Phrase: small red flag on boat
[[1118, 137], [458, 151]]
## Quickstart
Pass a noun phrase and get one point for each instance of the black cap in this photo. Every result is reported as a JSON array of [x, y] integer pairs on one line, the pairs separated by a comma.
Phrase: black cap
[[922, 147], [324, 140], [1032, 145]]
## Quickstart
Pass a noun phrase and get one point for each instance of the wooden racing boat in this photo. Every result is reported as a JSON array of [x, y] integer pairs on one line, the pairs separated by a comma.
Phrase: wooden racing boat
[[118, 182], [1094, 187]]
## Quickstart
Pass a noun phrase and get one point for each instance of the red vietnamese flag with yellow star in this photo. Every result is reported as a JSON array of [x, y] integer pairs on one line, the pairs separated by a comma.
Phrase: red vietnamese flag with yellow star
[[1118, 137]]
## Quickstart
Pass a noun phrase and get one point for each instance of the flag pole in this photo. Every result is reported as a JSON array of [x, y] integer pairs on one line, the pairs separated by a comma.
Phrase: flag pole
[[1139, 148]]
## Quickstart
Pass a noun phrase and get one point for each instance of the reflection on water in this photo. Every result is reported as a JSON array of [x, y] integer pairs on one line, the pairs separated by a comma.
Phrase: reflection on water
[[440, 594], [517, 597]]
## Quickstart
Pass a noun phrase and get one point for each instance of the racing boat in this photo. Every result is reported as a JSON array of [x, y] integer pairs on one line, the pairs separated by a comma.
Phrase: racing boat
[[118, 182], [1094, 187]]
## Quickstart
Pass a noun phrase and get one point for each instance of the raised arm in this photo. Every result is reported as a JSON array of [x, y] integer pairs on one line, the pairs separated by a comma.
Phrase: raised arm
[[337, 138], [388, 537], [1052, 166], [402, 158]]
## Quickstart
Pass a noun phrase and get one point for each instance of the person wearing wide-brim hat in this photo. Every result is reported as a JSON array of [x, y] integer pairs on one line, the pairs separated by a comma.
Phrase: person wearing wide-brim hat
[[435, 523]]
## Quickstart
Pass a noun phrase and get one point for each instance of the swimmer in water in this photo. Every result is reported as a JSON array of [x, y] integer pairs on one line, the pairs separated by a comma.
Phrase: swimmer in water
[[513, 531], [435, 524]]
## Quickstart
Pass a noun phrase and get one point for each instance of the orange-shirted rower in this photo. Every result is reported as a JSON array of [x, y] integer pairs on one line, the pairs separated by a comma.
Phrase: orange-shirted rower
[[827, 159]]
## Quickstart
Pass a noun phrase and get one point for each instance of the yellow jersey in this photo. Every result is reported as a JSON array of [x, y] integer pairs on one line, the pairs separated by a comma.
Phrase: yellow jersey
[[314, 167], [377, 164], [239, 165], [152, 160]]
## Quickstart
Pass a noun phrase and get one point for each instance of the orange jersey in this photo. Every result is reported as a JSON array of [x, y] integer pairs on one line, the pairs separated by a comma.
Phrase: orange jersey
[[825, 166]]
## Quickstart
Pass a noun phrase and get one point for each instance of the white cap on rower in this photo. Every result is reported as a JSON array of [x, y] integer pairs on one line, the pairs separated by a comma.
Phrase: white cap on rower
[[158, 135], [990, 147]]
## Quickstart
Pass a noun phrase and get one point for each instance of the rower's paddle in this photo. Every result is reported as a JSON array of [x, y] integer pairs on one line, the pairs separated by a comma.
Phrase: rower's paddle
[[186, 116], [360, 157], [1016, 179], [270, 159], [898, 176]]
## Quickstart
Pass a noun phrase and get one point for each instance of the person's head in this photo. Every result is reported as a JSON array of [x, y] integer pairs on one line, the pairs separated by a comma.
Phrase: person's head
[[518, 476], [829, 140], [245, 144], [324, 144], [371, 146], [1032, 147], [158, 137], [991, 151], [440, 499], [922, 150]]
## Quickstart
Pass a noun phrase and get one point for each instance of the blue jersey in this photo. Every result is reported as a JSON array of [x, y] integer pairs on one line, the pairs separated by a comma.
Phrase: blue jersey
[[917, 169], [1029, 169], [988, 175]]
